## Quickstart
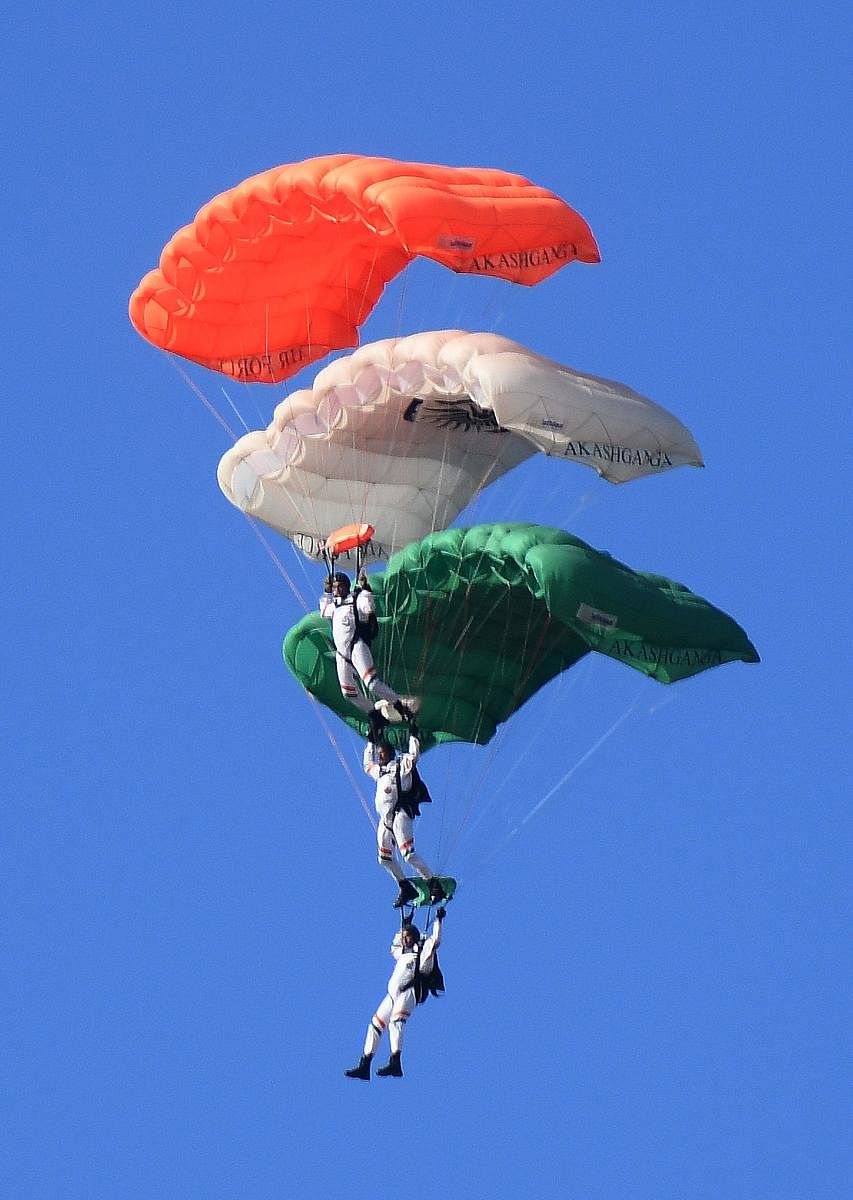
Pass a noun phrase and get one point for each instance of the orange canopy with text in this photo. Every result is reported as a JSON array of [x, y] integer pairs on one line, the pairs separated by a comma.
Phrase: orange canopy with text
[[285, 267]]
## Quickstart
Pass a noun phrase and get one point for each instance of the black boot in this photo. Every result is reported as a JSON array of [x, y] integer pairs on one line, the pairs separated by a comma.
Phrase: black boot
[[436, 891], [408, 892], [362, 1071], [394, 1066]]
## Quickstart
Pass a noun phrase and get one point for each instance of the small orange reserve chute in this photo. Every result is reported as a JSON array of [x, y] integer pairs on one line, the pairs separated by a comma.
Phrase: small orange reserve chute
[[349, 537], [285, 267]]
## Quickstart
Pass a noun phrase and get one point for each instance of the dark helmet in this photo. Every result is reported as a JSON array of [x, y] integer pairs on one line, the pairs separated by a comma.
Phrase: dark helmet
[[408, 927], [342, 580]]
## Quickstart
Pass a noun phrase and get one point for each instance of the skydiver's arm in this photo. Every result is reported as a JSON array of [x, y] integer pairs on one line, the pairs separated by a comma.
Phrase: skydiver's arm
[[430, 945], [407, 761], [435, 936], [371, 768], [327, 606]]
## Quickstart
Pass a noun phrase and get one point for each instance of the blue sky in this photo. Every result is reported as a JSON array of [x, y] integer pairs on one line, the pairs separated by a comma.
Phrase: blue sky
[[648, 979]]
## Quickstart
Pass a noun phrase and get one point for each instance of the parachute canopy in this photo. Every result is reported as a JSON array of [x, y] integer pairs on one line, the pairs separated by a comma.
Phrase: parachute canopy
[[285, 267], [405, 432], [475, 621]]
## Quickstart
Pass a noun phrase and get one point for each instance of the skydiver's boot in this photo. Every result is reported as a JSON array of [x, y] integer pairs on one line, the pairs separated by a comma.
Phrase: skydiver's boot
[[389, 712], [408, 892], [362, 1071], [394, 1067], [409, 706], [436, 891]]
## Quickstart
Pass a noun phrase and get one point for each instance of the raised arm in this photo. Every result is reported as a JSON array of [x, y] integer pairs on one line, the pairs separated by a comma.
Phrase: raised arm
[[371, 768], [431, 944], [408, 760]]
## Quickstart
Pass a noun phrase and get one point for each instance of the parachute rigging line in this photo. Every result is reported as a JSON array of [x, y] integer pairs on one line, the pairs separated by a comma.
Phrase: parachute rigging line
[[253, 523], [522, 683], [193, 386], [333, 741], [596, 745]]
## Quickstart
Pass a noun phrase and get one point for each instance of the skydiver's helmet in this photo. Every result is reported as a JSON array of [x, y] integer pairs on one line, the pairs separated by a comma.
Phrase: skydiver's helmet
[[414, 934], [340, 584]]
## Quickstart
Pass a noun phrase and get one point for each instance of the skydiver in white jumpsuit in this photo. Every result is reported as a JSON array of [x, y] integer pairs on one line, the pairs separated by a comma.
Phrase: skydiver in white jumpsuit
[[395, 826], [352, 653], [409, 985]]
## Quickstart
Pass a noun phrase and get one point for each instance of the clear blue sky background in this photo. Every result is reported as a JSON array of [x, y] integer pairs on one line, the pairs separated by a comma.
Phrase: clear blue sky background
[[648, 980]]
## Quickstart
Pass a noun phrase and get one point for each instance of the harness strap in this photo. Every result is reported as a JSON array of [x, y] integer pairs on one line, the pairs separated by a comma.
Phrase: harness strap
[[416, 978], [404, 799]]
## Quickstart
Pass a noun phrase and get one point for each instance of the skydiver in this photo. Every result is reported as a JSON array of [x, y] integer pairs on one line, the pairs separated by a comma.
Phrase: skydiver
[[415, 977], [350, 614], [396, 807]]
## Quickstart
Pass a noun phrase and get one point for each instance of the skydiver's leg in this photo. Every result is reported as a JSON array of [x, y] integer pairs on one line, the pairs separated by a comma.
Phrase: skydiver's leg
[[385, 848], [362, 660], [348, 680], [378, 1025], [405, 838], [401, 1011]]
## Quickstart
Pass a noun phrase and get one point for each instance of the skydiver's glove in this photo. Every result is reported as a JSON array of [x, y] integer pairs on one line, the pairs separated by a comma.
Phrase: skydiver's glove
[[327, 584], [414, 731], [375, 725], [441, 913], [362, 582]]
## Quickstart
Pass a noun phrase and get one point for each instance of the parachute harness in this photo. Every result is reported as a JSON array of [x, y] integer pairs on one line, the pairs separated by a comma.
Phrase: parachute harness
[[433, 983]]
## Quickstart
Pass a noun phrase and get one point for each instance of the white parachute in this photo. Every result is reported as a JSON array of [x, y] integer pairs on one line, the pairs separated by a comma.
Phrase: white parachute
[[406, 431]]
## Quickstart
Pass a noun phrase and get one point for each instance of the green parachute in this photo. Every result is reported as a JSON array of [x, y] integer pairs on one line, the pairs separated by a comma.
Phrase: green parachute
[[475, 621]]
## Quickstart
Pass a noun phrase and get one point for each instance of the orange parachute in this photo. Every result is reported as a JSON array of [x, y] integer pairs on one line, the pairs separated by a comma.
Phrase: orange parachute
[[285, 267]]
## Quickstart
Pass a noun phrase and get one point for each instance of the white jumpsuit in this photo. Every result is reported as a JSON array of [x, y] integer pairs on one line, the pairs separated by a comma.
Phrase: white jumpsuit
[[352, 654], [395, 828], [399, 1004]]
